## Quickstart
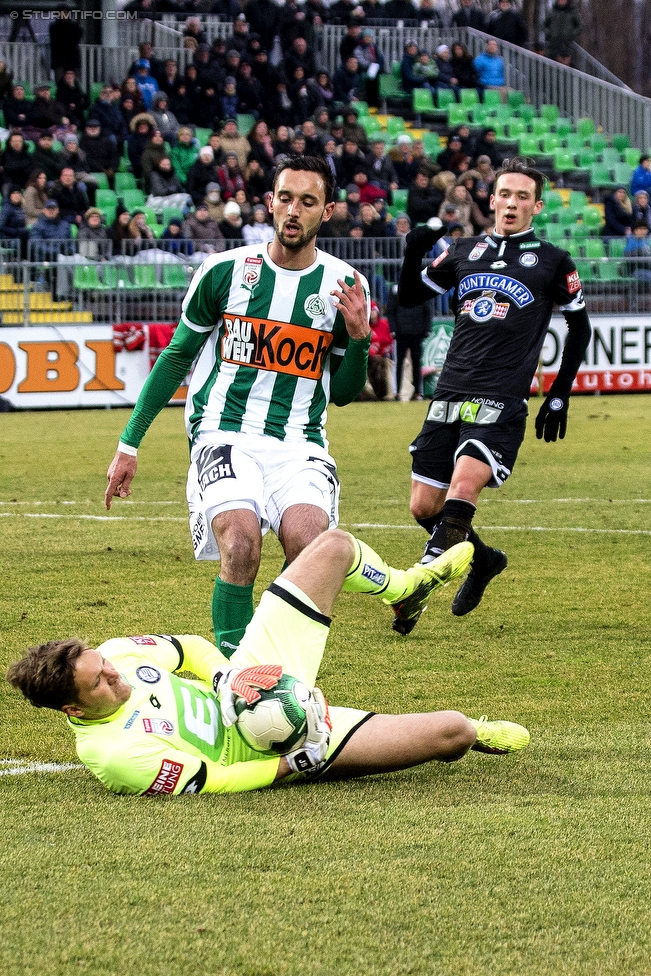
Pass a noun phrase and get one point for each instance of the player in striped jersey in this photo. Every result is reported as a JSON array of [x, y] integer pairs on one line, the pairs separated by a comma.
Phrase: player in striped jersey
[[277, 331]]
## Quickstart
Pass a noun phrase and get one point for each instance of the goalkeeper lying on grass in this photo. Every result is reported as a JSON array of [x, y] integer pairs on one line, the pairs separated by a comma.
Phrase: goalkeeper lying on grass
[[142, 729]]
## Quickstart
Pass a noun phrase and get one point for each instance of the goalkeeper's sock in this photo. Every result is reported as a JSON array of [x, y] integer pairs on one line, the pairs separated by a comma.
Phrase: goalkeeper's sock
[[455, 526], [232, 610], [369, 573]]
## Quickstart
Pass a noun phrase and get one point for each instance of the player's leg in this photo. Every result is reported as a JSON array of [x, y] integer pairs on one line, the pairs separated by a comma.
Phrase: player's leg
[[300, 525], [469, 477], [225, 499], [385, 743]]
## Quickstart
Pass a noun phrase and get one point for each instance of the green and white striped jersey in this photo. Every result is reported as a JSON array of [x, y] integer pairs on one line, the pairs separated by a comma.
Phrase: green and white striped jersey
[[275, 339]]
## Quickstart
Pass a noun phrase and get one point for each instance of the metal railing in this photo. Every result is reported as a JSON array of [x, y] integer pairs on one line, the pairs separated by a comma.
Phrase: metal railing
[[150, 285]]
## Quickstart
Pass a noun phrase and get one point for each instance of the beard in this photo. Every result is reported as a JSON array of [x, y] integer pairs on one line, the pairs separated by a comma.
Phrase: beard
[[295, 243]]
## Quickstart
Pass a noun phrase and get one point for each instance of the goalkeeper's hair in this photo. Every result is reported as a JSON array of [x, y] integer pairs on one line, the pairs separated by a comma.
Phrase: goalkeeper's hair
[[524, 167], [46, 675]]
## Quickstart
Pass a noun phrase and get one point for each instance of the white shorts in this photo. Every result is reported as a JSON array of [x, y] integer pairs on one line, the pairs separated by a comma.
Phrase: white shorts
[[230, 471]]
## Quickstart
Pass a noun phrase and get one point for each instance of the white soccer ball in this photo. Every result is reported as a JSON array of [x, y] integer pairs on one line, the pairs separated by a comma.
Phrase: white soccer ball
[[276, 723]]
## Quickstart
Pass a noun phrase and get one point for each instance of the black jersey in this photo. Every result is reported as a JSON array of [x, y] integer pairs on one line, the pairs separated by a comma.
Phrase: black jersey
[[504, 291]]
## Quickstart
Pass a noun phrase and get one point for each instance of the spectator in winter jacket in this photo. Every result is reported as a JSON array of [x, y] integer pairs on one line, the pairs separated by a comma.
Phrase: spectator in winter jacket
[[641, 178], [347, 80], [232, 139], [35, 196], [147, 85], [202, 172], [71, 198], [71, 97], [100, 149], [562, 27], [173, 240], [46, 158], [141, 127], [490, 66], [106, 110], [15, 161], [260, 231], [164, 119], [203, 231], [506, 24], [423, 200], [618, 213], [184, 153], [410, 326], [13, 223], [93, 241], [152, 154], [49, 233]]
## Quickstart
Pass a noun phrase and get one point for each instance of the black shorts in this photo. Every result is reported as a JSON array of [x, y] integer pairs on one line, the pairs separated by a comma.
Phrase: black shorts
[[487, 428]]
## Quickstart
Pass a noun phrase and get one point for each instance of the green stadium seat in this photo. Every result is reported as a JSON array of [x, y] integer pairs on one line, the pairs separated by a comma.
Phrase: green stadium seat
[[144, 277], [566, 216], [609, 270], [422, 101], [621, 141], [469, 96], [457, 115], [585, 157], [610, 156], [632, 156], [555, 233], [594, 247], [578, 200], [516, 127], [598, 141], [573, 142], [124, 181], [600, 177], [550, 142], [245, 123], [616, 247], [109, 214], [390, 88], [528, 145], [586, 127], [86, 277], [564, 161], [515, 99], [552, 200], [527, 113], [622, 173], [133, 199], [171, 213], [362, 109], [95, 90], [550, 113], [174, 276], [370, 124], [540, 126], [202, 135], [105, 198], [431, 143], [395, 126], [444, 97], [586, 271], [501, 113], [563, 127], [399, 198], [493, 98], [480, 114], [101, 179]]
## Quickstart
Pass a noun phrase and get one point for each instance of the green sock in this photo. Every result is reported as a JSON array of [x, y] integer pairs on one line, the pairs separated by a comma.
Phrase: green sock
[[232, 609], [370, 574]]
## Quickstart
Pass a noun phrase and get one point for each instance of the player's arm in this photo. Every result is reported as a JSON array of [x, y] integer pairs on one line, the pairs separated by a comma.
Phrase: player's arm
[[551, 421], [169, 370], [156, 768], [415, 286], [348, 376]]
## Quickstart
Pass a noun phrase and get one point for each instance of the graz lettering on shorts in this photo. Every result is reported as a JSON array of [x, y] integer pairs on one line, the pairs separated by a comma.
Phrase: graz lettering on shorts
[[277, 346], [214, 464], [479, 410], [513, 289]]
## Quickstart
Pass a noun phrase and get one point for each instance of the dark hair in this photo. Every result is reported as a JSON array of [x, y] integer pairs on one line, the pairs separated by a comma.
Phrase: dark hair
[[521, 166], [309, 164], [46, 675]]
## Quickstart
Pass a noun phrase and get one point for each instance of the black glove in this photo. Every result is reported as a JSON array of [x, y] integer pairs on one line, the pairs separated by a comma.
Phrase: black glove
[[552, 417], [422, 239]]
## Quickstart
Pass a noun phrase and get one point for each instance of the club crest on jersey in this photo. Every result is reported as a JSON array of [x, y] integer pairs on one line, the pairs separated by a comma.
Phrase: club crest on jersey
[[485, 307], [477, 251], [315, 306], [251, 272], [503, 284], [528, 260], [148, 674], [159, 726]]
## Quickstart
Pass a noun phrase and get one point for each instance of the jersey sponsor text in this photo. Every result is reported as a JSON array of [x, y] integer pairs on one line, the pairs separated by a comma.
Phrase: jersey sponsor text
[[276, 346]]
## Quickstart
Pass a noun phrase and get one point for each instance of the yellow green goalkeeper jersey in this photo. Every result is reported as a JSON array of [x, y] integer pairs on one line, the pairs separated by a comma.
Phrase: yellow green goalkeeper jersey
[[168, 737]]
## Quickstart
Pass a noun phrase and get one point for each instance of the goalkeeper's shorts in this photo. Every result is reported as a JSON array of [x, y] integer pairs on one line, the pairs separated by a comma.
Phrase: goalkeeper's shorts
[[288, 629]]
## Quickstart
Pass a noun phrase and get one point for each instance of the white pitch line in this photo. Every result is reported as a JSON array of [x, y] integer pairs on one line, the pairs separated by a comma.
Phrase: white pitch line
[[17, 767], [353, 525]]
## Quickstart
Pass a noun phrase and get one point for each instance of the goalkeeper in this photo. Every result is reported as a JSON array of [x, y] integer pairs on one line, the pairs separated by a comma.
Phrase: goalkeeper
[[504, 288], [142, 729]]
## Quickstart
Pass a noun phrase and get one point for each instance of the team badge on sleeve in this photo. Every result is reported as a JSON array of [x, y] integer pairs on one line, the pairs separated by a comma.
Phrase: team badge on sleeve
[[477, 251]]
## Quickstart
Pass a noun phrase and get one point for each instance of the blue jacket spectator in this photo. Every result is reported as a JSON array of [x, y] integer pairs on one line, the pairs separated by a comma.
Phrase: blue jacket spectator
[[641, 178], [13, 224], [409, 79], [174, 241], [146, 83], [48, 232], [490, 66]]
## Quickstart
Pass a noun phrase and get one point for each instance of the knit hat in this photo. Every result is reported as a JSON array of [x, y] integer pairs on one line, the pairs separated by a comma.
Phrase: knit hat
[[232, 208], [92, 212], [143, 63], [442, 48], [71, 137], [49, 204], [352, 188]]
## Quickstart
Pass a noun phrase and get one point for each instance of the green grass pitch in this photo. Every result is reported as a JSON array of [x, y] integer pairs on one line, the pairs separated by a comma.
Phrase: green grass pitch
[[532, 865]]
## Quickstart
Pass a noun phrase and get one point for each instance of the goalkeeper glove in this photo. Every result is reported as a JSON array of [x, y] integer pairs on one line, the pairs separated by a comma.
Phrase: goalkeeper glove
[[311, 754], [552, 417], [422, 239], [243, 683]]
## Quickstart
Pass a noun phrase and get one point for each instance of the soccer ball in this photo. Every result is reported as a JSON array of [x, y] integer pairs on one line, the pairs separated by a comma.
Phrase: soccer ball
[[276, 723]]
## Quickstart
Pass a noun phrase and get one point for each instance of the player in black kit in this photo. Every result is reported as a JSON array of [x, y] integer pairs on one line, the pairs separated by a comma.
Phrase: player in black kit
[[505, 286]]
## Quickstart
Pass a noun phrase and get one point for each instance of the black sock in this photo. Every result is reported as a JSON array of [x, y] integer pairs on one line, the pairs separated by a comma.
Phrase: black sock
[[455, 526], [482, 551], [429, 524]]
